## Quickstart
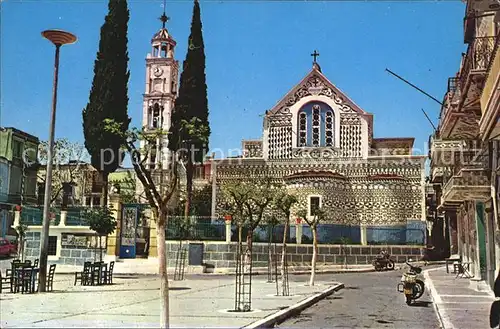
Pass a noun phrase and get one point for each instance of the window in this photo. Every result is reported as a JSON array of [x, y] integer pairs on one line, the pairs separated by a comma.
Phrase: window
[[17, 149], [199, 172], [314, 204], [52, 246], [157, 116], [96, 201], [315, 125]]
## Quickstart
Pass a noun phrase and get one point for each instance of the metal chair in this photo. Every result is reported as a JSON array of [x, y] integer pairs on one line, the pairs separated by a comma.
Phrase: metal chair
[[50, 278], [464, 271], [5, 280], [109, 274], [84, 276]]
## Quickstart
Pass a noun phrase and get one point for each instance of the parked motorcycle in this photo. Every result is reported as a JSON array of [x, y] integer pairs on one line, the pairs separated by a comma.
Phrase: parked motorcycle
[[383, 261], [412, 284]]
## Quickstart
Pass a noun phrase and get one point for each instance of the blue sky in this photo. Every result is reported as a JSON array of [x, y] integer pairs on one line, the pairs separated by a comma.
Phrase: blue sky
[[256, 51]]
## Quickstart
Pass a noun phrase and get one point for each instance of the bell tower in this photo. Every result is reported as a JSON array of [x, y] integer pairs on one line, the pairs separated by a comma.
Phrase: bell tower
[[161, 89]]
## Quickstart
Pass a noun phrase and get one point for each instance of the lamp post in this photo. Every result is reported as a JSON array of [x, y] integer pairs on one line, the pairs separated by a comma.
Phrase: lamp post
[[58, 38]]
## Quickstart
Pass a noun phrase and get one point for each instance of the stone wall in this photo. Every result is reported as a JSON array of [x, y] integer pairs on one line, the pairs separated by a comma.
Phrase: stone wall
[[223, 255], [68, 255]]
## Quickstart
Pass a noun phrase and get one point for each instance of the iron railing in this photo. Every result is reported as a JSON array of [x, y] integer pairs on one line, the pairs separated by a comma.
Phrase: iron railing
[[477, 58], [452, 84]]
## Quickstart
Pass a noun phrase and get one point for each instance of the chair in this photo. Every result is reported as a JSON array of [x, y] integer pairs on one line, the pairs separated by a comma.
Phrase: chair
[[50, 278], [85, 275], [4, 280], [452, 260], [464, 271], [109, 275], [17, 273], [27, 281]]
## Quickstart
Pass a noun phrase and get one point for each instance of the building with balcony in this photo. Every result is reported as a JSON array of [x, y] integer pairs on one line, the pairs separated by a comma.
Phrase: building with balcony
[[18, 163], [464, 150]]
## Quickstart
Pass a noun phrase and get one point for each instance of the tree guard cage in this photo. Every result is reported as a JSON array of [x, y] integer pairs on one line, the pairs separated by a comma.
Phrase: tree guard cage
[[180, 257], [180, 263], [243, 293], [282, 287], [271, 265]]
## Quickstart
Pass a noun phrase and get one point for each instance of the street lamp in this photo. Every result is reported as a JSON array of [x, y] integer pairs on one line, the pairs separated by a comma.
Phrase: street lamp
[[58, 38]]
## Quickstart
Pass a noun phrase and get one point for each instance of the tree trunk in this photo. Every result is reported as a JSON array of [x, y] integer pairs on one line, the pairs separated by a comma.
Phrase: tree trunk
[[315, 254], [189, 186], [95, 250], [20, 249], [283, 255], [100, 248], [270, 255], [249, 238], [249, 245], [104, 191], [162, 268]]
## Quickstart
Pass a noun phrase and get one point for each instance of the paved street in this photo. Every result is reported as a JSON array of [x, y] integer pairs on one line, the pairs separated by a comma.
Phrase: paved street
[[133, 301], [369, 300]]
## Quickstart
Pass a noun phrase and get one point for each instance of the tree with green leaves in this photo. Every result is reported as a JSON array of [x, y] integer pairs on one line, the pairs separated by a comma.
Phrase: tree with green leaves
[[126, 184], [161, 188], [236, 194], [109, 95], [283, 202], [191, 106], [101, 221], [249, 199], [68, 165], [313, 220]]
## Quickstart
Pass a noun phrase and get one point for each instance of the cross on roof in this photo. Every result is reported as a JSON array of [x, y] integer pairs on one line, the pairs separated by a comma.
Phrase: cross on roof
[[315, 54], [164, 18]]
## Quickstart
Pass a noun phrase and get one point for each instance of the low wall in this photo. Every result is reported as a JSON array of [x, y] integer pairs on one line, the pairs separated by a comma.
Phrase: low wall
[[65, 254], [223, 255]]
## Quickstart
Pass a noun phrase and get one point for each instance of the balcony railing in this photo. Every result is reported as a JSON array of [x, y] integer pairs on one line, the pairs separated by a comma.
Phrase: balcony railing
[[452, 84], [477, 58]]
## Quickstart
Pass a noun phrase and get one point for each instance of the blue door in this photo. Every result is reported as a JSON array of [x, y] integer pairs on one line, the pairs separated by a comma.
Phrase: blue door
[[128, 231]]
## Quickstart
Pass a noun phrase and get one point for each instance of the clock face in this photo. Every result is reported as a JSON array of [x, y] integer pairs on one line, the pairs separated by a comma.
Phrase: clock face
[[157, 71]]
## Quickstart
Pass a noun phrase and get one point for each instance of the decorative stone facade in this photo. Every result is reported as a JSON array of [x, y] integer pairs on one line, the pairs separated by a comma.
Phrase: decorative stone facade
[[317, 142]]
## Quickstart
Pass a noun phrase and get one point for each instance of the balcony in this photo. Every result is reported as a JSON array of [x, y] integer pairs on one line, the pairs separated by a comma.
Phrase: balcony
[[442, 152], [461, 109], [471, 183], [489, 126], [474, 67]]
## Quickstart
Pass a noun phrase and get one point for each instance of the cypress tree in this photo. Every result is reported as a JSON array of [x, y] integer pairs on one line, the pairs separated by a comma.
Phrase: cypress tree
[[191, 105], [108, 97]]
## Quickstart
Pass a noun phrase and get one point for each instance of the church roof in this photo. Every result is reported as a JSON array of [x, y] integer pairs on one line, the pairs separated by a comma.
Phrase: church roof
[[162, 35], [317, 83]]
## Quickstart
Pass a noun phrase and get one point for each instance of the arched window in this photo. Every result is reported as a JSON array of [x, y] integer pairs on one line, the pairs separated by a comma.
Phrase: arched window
[[315, 126]]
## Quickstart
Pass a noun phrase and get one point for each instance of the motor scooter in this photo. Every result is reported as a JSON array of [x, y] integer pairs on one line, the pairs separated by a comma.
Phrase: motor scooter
[[383, 261], [412, 284]]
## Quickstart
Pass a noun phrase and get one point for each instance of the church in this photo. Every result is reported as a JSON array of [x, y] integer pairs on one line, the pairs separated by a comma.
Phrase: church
[[319, 144], [316, 141]]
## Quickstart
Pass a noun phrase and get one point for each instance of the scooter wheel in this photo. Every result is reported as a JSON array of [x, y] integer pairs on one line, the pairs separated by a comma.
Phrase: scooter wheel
[[390, 265], [408, 300]]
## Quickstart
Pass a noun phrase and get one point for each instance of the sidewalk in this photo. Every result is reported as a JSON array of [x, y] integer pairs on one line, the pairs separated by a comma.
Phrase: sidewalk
[[133, 301], [458, 305]]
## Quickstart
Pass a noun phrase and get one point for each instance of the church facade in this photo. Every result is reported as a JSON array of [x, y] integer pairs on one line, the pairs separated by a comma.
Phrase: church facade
[[316, 142], [319, 144]]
